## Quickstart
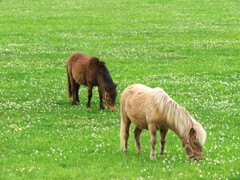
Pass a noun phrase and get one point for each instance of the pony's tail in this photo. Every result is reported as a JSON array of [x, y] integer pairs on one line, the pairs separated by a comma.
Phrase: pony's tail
[[123, 130], [69, 85], [121, 134]]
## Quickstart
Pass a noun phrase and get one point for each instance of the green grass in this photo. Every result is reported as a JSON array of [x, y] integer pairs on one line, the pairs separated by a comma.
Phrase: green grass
[[189, 48]]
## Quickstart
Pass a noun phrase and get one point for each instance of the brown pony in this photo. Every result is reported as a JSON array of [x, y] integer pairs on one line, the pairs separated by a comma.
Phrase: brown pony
[[90, 71], [154, 110]]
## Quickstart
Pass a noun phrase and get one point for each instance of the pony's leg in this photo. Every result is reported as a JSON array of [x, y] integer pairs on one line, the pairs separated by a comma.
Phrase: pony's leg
[[100, 99], [77, 91], [163, 133], [69, 85], [89, 95], [152, 130], [137, 133], [73, 87], [124, 131]]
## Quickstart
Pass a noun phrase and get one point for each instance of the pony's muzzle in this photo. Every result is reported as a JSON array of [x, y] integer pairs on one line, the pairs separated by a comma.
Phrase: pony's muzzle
[[197, 157], [112, 108]]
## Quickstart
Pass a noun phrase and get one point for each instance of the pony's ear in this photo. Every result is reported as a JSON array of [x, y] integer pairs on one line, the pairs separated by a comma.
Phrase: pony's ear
[[192, 132]]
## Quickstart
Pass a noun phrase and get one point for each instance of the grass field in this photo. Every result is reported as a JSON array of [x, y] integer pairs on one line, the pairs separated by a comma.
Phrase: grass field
[[189, 48]]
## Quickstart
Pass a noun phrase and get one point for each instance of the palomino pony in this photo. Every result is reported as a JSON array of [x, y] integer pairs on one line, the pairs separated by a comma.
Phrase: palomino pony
[[154, 110], [89, 71]]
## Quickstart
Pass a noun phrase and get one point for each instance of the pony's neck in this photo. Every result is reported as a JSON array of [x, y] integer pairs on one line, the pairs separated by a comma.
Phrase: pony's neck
[[183, 131], [182, 134], [102, 86], [105, 81], [178, 119], [181, 121]]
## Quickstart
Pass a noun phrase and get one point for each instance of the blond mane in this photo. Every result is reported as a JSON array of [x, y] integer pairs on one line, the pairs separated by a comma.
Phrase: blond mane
[[177, 117]]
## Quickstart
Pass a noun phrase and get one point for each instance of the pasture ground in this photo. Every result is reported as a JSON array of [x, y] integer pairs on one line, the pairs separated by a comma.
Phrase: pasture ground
[[189, 48]]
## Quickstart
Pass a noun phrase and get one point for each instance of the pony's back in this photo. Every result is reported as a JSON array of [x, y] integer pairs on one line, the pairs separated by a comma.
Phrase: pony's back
[[77, 57]]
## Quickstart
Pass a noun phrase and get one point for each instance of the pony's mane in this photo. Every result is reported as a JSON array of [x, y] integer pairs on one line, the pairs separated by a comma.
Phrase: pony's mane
[[103, 72], [177, 116]]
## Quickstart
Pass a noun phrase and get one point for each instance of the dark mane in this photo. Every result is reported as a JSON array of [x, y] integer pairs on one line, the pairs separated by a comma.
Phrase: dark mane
[[94, 61], [103, 72], [108, 80]]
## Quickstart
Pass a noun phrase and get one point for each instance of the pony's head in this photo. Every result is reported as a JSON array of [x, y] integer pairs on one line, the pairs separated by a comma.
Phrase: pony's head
[[110, 97], [193, 144]]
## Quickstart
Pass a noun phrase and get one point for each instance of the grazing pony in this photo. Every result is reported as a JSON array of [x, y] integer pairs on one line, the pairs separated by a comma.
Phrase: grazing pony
[[152, 109], [90, 71]]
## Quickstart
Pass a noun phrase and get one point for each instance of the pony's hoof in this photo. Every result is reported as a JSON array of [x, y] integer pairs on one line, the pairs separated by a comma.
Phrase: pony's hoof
[[153, 157], [139, 151], [102, 108], [125, 152]]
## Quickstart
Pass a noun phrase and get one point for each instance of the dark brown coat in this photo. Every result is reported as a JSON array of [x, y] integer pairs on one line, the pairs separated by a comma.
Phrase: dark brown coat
[[90, 71]]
